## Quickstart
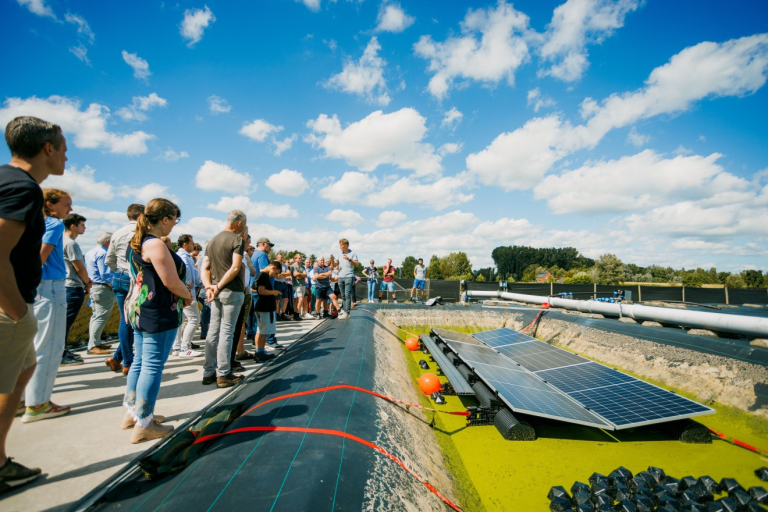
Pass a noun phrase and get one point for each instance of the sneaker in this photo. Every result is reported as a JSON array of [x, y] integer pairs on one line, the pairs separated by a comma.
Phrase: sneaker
[[13, 474], [275, 345], [190, 353], [70, 361], [22, 409], [263, 357], [307, 316], [238, 367], [207, 381], [46, 411], [228, 380], [286, 317], [98, 351], [129, 422], [394, 301], [343, 315], [113, 364], [245, 356], [69, 353], [155, 430], [296, 317], [174, 352], [194, 346]]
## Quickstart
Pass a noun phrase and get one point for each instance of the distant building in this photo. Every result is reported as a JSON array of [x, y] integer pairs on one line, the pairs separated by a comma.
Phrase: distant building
[[543, 277]]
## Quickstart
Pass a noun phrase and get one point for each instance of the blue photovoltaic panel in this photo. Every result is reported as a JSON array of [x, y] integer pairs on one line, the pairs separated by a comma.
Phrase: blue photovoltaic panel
[[622, 400], [478, 354], [584, 376], [638, 403], [536, 356], [499, 337]]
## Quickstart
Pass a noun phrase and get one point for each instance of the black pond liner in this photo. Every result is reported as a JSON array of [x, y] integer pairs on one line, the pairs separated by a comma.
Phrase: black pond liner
[[282, 471]]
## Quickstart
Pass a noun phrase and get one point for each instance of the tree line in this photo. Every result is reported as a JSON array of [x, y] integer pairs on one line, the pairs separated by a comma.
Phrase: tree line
[[567, 265]]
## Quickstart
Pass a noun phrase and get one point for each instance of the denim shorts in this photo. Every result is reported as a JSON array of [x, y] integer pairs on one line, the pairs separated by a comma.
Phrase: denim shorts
[[419, 283], [387, 287]]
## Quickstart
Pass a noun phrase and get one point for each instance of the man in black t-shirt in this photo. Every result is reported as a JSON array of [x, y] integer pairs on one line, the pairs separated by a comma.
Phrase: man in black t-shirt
[[38, 150], [266, 309]]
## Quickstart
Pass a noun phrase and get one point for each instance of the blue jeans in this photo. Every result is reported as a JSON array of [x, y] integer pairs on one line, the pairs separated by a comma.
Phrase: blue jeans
[[152, 351], [371, 290], [250, 330], [121, 284], [75, 299], [345, 286]]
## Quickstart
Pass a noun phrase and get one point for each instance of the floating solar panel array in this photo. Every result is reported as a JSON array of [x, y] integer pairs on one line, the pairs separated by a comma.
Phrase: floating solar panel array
[[533, 377]]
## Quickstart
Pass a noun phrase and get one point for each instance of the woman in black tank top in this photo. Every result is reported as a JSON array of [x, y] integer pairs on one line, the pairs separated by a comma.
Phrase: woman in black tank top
[[154, 309]]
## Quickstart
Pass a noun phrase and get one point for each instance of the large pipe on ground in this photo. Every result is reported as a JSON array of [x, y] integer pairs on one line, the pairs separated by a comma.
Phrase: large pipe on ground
[[752, 327]]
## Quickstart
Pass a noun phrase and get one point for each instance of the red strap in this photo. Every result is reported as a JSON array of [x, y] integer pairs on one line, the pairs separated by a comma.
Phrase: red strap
[[355, 388], [738, 443], [336, 433], [534, 321]]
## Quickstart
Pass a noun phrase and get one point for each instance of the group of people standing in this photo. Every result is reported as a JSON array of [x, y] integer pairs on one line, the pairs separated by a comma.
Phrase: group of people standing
[[228, 287]]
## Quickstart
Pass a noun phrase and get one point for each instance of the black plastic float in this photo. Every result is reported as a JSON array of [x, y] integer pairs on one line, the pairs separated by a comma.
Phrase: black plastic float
[[513, 429]]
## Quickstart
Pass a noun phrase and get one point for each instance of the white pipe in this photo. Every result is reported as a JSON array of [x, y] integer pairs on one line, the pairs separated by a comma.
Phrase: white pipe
[[753, 327]]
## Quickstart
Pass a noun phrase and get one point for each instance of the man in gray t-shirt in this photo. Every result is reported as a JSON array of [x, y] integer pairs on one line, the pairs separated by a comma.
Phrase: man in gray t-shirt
[[77, 283], [419, 279]]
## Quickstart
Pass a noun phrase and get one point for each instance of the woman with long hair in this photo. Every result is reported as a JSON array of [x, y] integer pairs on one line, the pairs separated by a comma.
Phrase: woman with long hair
[[154, 308], [50, 310]]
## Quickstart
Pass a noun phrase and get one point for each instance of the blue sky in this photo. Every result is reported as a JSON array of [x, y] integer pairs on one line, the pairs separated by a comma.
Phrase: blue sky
[[413, 128]]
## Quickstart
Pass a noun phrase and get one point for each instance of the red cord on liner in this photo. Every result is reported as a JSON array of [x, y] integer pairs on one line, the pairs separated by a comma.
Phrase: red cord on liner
[[738, 443], [337, 433], [534, 321], [354, 388]]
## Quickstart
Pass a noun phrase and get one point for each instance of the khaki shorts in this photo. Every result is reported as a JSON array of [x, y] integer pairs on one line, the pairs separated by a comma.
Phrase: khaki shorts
[[17, 347]]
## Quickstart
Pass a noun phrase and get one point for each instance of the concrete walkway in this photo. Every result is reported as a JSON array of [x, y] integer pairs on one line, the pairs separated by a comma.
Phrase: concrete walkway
[[79, 451]]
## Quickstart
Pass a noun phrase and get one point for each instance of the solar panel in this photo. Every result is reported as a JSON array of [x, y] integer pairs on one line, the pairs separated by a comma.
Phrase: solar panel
[[499, 337], [536, 356], [522, 391], [620, 399]]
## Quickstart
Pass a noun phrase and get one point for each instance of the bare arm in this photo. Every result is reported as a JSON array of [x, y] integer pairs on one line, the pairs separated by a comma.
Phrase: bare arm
[[11, 301], [45, 251], [298, 274], [263, 291], [80, 269], [155, 251]]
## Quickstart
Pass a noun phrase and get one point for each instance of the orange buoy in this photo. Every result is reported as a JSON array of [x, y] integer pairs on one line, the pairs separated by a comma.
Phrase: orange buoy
[[412, 344], [429, 383]]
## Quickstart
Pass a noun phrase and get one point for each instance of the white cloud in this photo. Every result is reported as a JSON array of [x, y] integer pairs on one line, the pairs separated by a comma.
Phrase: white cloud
[[288, 183], [637, 182], [365, 77], [213, 176], [259, 130], [147, 192], [87, 129], [682, 150], [141, 104], [81, 52], [360, 188], [284, 145], [392, 18], [538, 100], [493, 56], [312, 5], [194, 24], [254, 209], [83, 29], [452, 119], [81, 185], [450, 148], [347, 218], [139, 65], [637, 139], [505, 229], [390, 218], [695, 220], [201, 228], [169, 155], [38, 7], [575, 24], [378, 139], [519, 159], [218, 105]]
